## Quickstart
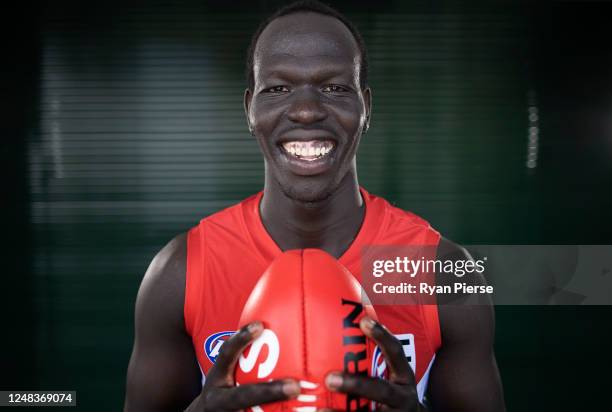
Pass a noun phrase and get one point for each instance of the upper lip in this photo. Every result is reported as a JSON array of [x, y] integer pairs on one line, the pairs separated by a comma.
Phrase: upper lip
[[306, 135]]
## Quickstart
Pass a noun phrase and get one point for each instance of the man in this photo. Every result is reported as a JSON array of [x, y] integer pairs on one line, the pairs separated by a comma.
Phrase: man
[[307, 104]]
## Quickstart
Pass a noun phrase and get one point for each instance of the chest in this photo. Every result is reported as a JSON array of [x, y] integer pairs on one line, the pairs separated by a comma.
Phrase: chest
[[227, 284]]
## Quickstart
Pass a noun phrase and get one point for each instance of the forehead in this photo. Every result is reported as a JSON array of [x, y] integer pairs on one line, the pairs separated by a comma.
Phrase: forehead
[[305, 40]]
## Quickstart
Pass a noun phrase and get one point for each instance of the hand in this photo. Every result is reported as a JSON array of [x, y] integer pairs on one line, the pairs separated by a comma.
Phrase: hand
[[399, 392], [221, 394]]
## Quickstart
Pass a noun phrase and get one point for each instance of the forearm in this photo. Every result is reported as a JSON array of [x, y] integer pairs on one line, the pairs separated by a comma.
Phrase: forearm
[[197, 405]]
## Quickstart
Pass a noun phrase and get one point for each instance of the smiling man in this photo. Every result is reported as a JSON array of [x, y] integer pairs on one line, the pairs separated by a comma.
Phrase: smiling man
[[308, 104]]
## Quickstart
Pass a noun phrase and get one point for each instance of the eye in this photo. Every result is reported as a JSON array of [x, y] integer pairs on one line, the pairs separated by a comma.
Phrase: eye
[[276, 89], [334, 88]]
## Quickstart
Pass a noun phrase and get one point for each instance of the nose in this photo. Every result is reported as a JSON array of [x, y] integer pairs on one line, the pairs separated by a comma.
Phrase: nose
[[306, 107]]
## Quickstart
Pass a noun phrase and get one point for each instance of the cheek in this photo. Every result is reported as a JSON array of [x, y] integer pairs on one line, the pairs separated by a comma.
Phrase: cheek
[[264, 118], [350, 115]]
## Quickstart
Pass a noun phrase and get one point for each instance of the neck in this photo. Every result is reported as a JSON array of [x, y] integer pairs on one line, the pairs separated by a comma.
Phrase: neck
[[329, 224]]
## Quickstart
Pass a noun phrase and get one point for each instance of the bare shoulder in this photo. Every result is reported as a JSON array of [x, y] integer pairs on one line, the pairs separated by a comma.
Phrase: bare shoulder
[[170, 261], [163, 373], [464, 316], [448, 248], [465, 375], [162, 291]]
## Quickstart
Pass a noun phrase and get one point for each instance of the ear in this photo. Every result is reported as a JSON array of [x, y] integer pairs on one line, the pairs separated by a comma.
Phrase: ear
[[248, 96], [367, 100]]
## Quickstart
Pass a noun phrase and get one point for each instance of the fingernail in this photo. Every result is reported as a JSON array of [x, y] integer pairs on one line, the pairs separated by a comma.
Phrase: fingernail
[[255, 327], [333, 381], [368, 322], [291, 388]]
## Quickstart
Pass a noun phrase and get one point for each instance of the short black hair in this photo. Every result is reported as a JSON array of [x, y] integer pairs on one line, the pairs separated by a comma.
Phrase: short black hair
[[313, 6]]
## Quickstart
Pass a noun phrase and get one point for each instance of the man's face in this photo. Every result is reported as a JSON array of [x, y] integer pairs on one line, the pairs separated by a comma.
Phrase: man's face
[[307, 108]]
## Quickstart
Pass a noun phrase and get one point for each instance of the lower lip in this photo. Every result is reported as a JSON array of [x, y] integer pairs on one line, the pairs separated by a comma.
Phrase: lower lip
[[308, 167]]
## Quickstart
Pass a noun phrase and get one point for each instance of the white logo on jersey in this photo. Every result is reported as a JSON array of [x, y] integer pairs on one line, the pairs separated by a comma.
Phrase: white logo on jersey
[[266, 367]]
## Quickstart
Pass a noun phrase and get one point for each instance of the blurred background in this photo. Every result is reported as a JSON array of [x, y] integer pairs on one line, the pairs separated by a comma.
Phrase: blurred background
[[123, 126]]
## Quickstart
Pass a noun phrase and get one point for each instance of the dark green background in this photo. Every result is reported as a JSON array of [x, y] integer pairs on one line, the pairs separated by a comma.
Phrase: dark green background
[[124, 126]]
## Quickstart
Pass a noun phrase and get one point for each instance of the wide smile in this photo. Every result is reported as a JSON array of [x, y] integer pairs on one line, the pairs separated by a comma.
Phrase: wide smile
[[309, 150], [308, 157]]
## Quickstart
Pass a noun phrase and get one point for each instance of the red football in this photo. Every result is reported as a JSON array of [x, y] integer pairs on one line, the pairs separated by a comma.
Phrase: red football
[[310, 306]]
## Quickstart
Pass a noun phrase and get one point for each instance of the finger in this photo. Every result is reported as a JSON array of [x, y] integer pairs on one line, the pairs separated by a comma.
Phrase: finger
[[245, 396], [223, 369], [392, 350], [367, 387], [379, 407]]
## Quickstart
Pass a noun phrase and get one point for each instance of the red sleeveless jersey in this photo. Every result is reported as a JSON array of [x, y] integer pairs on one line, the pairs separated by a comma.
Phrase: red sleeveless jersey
[[229, 250]]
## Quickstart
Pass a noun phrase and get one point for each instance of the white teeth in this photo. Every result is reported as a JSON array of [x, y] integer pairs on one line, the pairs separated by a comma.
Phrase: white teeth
[[309, 149]]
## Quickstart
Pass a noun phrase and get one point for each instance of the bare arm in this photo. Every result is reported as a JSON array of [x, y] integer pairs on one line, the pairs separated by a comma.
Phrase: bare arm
[[163, 374], [464, 376]]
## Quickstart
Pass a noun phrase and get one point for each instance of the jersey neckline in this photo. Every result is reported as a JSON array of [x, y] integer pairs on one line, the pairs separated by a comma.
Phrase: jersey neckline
[[373, 221]]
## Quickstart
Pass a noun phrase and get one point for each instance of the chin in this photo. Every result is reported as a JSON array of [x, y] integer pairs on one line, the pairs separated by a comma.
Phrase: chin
[[309, 191]]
